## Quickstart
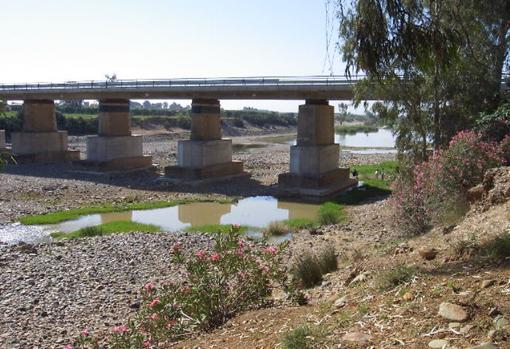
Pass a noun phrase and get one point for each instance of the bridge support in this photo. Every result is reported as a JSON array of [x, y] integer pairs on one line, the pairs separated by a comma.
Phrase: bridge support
[[206, 155], [314, 168], [40, 141], [2, 140], [115, 148]]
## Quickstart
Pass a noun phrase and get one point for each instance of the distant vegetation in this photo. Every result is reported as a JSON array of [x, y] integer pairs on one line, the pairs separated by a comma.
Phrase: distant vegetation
[[82, 120], [352, 129]]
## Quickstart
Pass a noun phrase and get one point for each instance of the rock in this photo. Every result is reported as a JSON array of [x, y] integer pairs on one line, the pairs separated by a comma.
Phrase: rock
[[454, 325], [487, 283], [357, 337], [360, 278], [500, 322], [438, 343], [485, 346], [408, 296], [466, 329], [427, 253], [476, 193], [341, 302], [452, 312], [494, 311]]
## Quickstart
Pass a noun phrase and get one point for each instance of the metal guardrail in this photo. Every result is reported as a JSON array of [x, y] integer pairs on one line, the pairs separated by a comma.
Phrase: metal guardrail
[[192, 82]]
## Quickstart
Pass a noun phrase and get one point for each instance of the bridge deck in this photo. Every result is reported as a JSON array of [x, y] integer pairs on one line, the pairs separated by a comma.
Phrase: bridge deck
[[286, 88]]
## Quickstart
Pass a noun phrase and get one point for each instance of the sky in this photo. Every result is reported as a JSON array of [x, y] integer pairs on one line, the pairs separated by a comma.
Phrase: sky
[[72, 40]]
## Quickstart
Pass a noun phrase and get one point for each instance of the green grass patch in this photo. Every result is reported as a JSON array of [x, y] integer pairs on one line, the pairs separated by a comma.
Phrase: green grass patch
[[299, 338], [330, 213], [67, 215], [214, 228], [107, 228], [301, 223], [352, 129], [395, 277]]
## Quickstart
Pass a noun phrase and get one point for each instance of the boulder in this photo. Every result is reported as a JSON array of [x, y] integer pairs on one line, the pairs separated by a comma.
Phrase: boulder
[[452, 312]]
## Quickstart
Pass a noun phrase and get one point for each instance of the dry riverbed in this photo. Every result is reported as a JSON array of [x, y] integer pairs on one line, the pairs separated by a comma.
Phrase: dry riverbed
[[50, 292]]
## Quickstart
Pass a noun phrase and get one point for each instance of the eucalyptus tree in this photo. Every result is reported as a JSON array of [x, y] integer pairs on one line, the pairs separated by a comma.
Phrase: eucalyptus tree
[[434, 64]]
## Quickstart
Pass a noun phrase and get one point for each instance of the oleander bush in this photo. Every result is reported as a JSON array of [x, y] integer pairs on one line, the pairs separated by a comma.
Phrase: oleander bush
[[435, 191], [236, 276]]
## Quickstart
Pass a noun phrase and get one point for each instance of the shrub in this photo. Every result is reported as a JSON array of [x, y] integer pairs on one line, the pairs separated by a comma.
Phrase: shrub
[[327, 260], [505, 149], [499, 248], [309, 268], [435, 190], [394, 277], [307, 271], [298, 338], [235, 277], [495, 126], [276, 229], [330, 213]]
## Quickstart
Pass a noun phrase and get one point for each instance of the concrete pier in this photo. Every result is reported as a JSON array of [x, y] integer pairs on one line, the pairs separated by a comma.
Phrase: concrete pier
[[206, 155], [115, 148], [40, 141], [2, 140], [314, 168]]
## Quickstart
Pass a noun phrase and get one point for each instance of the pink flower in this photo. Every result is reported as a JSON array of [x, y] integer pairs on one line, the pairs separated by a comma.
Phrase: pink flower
[[148, 287], [147, 343], [154, 317], [69, 346], [236, 226], [200, 254], [154, 302], [170, 324], [85, 332], [121, 329], [176, 248], [271, 250], [215, 257]]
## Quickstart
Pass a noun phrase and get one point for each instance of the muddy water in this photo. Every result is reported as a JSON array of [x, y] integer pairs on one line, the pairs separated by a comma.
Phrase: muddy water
[[255, 212]]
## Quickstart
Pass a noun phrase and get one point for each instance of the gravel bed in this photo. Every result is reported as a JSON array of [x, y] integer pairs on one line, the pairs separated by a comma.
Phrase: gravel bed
[[51, 292]]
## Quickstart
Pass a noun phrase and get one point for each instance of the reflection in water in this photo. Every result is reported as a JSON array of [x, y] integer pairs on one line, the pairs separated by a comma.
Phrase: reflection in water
[[255, 212], [382, 138]]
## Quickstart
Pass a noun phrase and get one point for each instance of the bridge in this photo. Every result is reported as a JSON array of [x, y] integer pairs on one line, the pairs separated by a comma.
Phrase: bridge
[[283, 88], [206, 155]]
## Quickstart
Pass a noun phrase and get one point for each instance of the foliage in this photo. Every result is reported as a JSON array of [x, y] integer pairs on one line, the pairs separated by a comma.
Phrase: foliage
[[352, 129], [107, 228], [505, 149], [395, 277], [214, 228], [499, 248], [327, 260], [300, 223], [298, 338], [276, 229], [330, 213], [261, 118], [217, 285], [429, 192], [435, 65], [308, 268], [495, 126]]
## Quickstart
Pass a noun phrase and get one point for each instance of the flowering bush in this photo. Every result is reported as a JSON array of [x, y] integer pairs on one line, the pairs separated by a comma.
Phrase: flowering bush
[[436, 189], [505, 149], [235, 276]]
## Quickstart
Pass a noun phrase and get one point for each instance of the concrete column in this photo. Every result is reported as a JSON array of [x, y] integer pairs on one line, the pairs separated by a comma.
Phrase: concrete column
[[115, 148], [40, 141], [314, 160], [2, 140], [114, 118], [206, 155]]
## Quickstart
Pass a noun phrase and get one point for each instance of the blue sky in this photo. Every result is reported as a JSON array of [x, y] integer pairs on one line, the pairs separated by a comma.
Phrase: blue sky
[[57, 40]]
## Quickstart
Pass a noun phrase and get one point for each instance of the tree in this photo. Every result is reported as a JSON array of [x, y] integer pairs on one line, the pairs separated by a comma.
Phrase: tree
[[435, 64]]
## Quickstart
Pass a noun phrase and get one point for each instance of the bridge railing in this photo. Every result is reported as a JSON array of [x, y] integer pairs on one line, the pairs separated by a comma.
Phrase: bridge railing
[[191, 82]]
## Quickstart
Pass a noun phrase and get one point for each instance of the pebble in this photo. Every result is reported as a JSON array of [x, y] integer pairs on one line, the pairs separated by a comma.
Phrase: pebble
[[438, 343], [485, 346], [427, 253], [452, 312], [487, 283], [357, 337], [341, 302]]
